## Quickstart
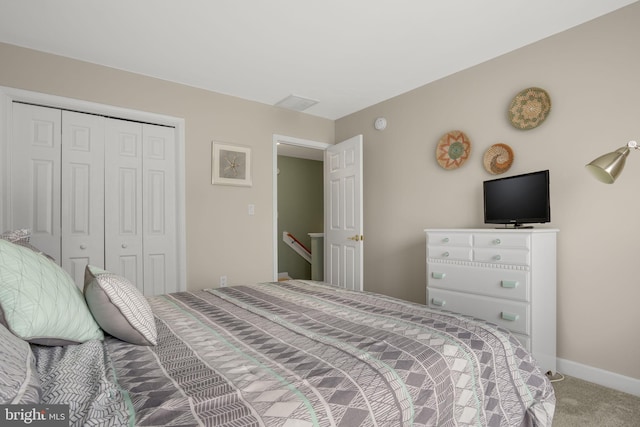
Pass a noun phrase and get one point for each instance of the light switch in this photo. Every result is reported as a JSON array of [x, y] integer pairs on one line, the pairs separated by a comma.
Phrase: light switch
[[251, 210]]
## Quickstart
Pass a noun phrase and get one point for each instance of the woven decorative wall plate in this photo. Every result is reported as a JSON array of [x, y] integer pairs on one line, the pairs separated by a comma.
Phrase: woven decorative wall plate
[[498, 158], [453, 149], [529, 108]]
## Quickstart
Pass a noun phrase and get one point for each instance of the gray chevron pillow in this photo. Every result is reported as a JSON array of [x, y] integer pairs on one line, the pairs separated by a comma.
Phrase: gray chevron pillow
[[19, 382], [118, 307], [20, 235]]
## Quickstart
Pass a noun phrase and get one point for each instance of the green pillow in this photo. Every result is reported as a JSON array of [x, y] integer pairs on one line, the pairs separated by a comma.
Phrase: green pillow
[[39, 302]]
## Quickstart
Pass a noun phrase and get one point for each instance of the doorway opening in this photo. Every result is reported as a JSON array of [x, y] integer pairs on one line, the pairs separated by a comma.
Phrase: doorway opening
[[298, 182]]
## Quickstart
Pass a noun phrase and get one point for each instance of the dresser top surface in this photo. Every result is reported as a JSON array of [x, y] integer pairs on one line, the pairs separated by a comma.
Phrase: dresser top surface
[[491, 230]]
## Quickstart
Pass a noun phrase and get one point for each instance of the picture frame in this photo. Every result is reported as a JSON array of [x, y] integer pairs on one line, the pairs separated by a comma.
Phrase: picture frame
[[230, 164]]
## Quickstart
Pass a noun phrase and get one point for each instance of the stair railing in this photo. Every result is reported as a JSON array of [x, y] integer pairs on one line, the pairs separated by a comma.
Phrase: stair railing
[[296, 245]]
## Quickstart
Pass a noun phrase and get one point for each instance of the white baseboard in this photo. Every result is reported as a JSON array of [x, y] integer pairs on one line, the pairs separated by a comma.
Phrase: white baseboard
[[599, 376]]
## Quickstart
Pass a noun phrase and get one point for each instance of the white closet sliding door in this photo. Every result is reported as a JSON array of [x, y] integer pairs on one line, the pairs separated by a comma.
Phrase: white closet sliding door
[[97, 190]]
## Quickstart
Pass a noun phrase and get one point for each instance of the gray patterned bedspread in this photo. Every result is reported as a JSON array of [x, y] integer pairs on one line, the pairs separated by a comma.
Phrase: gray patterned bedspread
[[302, 354]]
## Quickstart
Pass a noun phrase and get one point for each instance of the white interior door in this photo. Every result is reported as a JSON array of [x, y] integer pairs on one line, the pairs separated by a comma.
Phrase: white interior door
[[82, 202], [343, 214], [158, 209], [35, 175], [123, 200]]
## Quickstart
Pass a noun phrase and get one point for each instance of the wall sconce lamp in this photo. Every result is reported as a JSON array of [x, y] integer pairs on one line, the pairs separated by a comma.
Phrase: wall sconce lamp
[[608, 167]]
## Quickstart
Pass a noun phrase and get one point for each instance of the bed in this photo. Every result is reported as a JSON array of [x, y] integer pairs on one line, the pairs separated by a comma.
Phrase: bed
[[293, 353]]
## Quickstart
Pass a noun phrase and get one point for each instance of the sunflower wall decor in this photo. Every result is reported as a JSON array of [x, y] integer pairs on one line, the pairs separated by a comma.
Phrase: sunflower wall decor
[[529, 108], [453, 149]]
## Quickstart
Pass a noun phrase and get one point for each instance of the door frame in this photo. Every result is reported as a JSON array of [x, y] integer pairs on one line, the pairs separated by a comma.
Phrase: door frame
[[289, 140], [9, 95]]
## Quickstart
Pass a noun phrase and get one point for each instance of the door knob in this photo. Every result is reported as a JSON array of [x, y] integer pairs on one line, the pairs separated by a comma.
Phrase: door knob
[[357, 237], [124, 246], [83, 247]]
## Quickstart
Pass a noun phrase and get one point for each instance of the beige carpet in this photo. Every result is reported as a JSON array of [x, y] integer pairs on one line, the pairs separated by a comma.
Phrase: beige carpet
[[580, 403]]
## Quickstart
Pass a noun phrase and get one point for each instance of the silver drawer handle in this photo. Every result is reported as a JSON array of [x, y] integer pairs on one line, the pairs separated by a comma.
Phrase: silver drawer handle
[[497, 241], [497, 257], [439, 302], [437, 275], [509, 283], [445, 240], [446, 254]]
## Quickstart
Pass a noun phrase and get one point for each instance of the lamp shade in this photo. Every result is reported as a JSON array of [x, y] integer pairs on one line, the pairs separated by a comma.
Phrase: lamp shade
[[608, 167]]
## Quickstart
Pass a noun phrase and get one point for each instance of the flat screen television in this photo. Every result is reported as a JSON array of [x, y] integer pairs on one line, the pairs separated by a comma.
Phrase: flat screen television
[[517, 200]]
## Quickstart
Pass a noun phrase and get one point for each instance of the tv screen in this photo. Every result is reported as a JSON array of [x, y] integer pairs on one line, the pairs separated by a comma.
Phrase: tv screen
[[519, 199]]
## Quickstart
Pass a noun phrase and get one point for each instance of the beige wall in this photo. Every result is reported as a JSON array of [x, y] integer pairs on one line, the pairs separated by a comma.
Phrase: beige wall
[[222, 239], [592, 74]]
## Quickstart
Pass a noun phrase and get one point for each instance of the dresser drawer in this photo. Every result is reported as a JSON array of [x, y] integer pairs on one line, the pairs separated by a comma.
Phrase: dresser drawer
[[502, 256], [450, 253], [501, 240], [512, 315], [449, 239], [495, 282]]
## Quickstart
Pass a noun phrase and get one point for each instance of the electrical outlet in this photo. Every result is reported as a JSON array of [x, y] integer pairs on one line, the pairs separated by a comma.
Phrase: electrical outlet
[[223, 281]]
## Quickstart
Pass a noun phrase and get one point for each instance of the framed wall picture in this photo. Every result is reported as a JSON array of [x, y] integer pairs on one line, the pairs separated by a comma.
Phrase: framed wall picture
[[231, 164]]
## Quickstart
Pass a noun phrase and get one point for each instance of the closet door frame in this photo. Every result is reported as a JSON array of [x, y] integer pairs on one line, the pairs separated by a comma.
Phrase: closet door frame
[[9, 95]]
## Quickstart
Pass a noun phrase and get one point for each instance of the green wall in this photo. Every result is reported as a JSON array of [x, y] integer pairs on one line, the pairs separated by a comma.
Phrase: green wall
[[300, 210]]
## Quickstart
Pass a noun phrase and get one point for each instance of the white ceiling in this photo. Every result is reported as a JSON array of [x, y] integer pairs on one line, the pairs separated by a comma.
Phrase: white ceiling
[[346, 54]]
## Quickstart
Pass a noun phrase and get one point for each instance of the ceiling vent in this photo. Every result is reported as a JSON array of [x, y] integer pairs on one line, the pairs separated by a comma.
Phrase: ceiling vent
[[296, 103]]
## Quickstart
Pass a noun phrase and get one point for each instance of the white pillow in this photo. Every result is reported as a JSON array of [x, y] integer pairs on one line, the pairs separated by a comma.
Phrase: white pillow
[[118, 307], [39, 302]]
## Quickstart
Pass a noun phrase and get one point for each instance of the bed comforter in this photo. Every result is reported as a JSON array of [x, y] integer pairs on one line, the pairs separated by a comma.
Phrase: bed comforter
[[300, 354]]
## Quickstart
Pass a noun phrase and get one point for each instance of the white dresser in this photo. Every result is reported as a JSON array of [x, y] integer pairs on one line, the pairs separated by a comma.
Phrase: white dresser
[[504, 276]]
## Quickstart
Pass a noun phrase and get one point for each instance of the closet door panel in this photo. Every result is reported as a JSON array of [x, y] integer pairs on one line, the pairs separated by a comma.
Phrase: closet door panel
[[35, 175], [128, 266], [82, 193], [123, 200], [159, 201], [42, 210]]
